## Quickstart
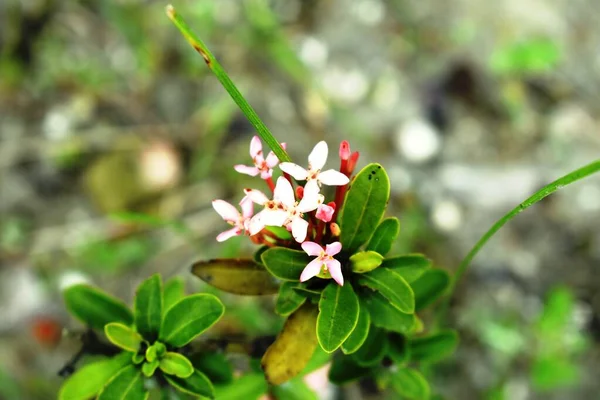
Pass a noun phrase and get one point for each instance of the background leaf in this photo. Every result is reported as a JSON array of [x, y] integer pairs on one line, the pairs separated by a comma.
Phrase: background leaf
[[386, 316], [289, 300], [123, 336], [94, 307], [174, 291], [214, 365], [387, 231], [243, 277], [195, 384], [294, 389], [127, 384], [410, 267], [392, 286], [148, 307], [373, 349], [285, 263], [411, 384], [344, 369], [250, 386], [338, 315], [360, 332], [434, 347], [429, 287]]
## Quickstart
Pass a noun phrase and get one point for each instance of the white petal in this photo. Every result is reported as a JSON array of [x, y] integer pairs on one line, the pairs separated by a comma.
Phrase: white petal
[[283, 192], [244, 169], [335, 270], [273, 217], [256, 196], [331, 177], [318, 157], [299, 228], [271, 160], [333, 248], [266, 173], [223, 236], [247, 207], [312, 248], [294, 170], [311, 270], [226, 210], [255, 146], [311, 199], [256, 224]]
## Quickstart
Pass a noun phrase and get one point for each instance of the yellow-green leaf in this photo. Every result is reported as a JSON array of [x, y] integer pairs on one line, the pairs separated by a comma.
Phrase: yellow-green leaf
[[123, 336], [176, 364], [365, 261], [127, 384], [238, 276], [148, 307]]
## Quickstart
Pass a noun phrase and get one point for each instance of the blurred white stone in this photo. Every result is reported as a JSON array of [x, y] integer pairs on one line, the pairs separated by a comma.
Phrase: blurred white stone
[[21, 295], [56, 125], [70, 278], [400, 178], [570, 121], [226, 11], [588, 198], [447, 216], [313, 52], [160, 166], [345, 84], [517, 389], [386, 92], [418, 141], [369, 12]]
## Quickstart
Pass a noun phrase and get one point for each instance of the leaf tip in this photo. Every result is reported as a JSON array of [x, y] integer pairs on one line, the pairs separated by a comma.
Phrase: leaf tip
[[170, 10]]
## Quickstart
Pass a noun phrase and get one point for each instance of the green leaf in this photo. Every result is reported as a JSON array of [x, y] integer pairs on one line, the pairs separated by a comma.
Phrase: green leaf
[[430, 287], [434, 347], [123, 336], [174, 291], [285, 264], [386, 316], [195, 384], [338, 315], [289, 300], [391, 285], [148, 307], [237, 276], [387, 231], [360, 332], [155, 351], [295, 389], [258, 254], [149, 367], [250, 386], [127, 384], [137, 358], [94, 307], [553, 372], [344, 369], [190, 317], [364, 206], [176, 364], [214, 365], [411, 384], [365, 261], [318, 359], [398, 348], [410, 267], [373, 349], [90, 379]]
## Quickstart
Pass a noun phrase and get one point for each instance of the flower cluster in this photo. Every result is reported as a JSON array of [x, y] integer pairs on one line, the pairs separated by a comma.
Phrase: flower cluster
[[301, 211]]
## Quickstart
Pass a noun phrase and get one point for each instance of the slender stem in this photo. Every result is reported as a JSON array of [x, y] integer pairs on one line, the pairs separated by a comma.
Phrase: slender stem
[[539, 195], [229, 86]]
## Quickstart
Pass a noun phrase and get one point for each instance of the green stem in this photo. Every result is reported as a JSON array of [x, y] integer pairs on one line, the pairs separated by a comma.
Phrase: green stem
[[233, 91], [539, 195]]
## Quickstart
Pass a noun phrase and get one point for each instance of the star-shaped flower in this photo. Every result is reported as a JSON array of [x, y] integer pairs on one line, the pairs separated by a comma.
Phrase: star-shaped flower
[[262, 165], [229, 213], [324, 263], [313, 175]]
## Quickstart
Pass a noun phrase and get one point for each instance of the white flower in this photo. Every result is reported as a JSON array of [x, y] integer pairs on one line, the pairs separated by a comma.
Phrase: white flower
[[313, 175], [261, 165], [283, 210], [229, 213]]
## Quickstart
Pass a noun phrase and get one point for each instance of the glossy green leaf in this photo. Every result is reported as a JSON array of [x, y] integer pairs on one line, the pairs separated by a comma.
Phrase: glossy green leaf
[[123, 336], [173, 291], [338, 315], [127, 384], [155, 351], [148, 307], [398, 348], [149, 367], [435, 347], [294, 346], [137, 358], [237, 276], [196, 384], [294, 389], [392, 286], [285, 264], [289, 300], [176, 364], [91, 378], [364, 206], [214, 365], [386, 316], [365, 261], [190, 317], [410, 267], [373, 349], [250, 386], [94, 307], [387, 231], [344, 369], [429, 287], [410, 384], [360, 332]]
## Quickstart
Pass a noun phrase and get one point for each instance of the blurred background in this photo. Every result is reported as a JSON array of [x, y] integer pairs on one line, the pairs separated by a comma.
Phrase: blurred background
[[115, 137]]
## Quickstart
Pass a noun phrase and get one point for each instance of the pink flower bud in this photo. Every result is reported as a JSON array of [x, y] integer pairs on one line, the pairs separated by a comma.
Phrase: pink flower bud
[[344, 150]]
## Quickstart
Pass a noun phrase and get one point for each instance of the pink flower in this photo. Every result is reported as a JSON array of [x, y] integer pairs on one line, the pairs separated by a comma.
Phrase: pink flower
[[325, 212], [283, 210], [261, 165], [324, 263], [313, 175], [229, 213]]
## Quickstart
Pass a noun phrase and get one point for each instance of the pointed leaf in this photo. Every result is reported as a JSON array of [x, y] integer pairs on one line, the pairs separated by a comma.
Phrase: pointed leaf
[[243, 277], [214, 365], [173, 292], [386, 316], [387, 231], [338, 315], [360, 332], [94, 307], [127, 384], [123, 336], [190, 317], [430, 287], [294, 346], [285, 264], [365, 261], [90, 379], [196, 384], [410, 384], [410, 267], [176, 364], [148, 307], [392, 286], [364, 206], [344, 369], [373, 349], [289, 300], [434, 347], [251, 386]]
